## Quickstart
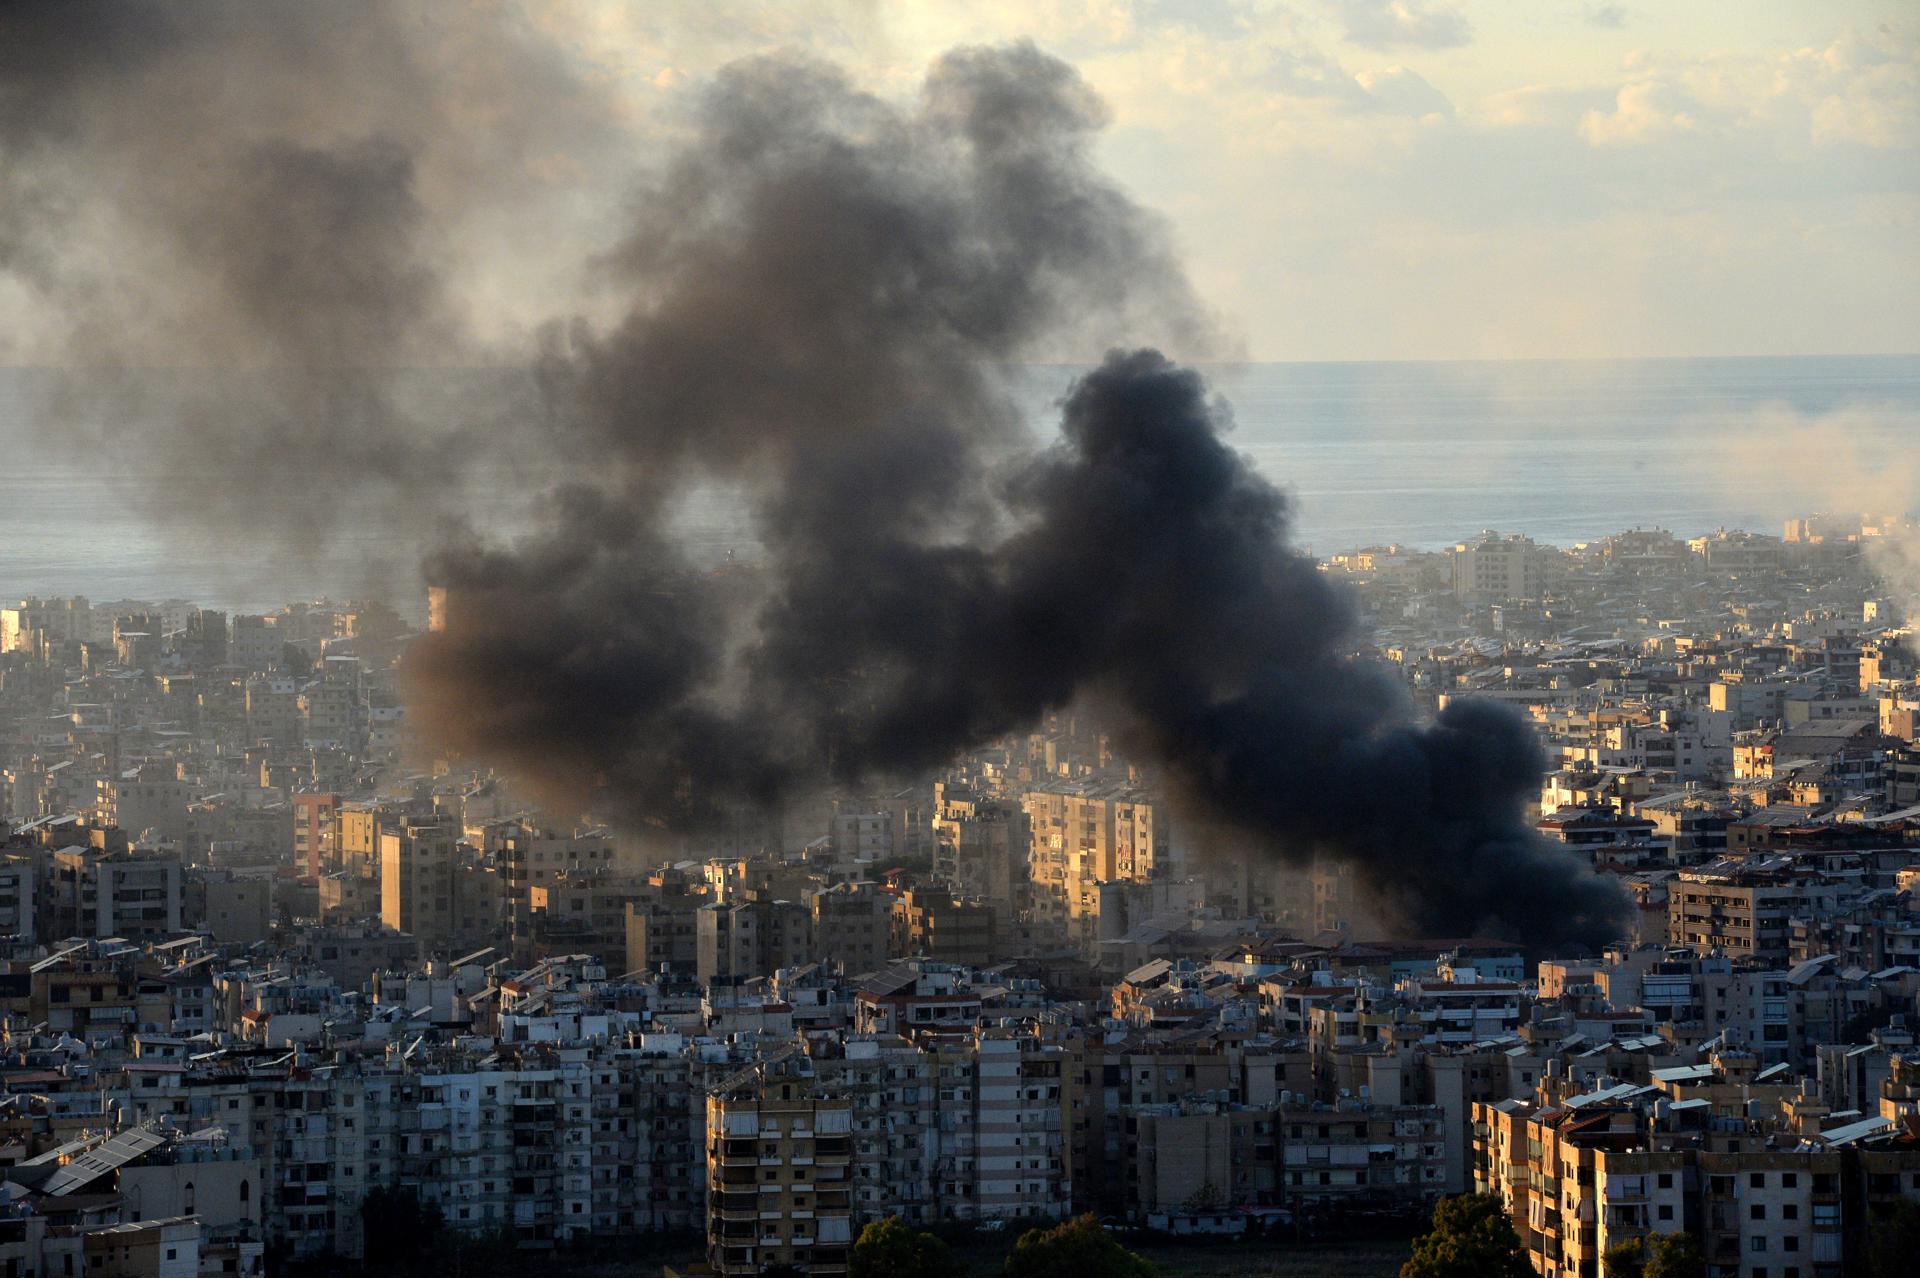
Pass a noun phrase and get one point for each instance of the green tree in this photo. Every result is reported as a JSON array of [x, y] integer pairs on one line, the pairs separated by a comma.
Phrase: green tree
[[1078, 1249], [890, 1246], [1625, 1260], [1471, 1238], [1893, 1240], [1676, 1256]]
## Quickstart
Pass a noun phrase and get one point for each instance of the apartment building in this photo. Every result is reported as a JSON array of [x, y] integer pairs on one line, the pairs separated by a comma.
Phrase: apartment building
[[313, 828], [779, 1156], [18, 899], [1747, 910], [750, 938], [934, 924], [29, 621], [663, 935], [981, 846], [1497, 569], [1199, 1158], [1086, 833], [578, 914], [1782, 1192], [861, 836], [153, 797], [967, 1124], [852, 926], [131, 894], [1001, 1101], [419, 864], [535, 860]]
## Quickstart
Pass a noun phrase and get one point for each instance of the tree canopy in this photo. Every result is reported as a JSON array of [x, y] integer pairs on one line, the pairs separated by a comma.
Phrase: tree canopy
[[891, 1246], [1080, 1248], [1471, 1238], [1625, 1260]]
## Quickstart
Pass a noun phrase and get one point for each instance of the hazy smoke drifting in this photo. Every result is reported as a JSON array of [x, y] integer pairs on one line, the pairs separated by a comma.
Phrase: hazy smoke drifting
[[1853, 461], [827, 293], [238, 219]]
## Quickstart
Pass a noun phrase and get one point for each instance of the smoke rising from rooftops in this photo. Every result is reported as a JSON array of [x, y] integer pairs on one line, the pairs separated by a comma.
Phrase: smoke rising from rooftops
[[827, 291], [826, 287]]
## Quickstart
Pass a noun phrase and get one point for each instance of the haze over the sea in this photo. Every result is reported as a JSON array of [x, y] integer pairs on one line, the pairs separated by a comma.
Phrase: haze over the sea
[[1418, 452]]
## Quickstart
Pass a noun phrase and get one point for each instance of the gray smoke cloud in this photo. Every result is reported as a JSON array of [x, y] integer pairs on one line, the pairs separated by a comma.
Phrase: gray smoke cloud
[[828, 295], [239, 218], [828, 289]]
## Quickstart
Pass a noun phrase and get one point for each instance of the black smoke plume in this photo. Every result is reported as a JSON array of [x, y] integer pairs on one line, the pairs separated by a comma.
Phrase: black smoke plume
[[827, 293], [828, 289]]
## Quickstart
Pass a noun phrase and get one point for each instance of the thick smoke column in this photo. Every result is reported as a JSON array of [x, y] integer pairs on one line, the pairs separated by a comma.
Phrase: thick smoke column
[[827, 286], [826, 294], [1221, 653]]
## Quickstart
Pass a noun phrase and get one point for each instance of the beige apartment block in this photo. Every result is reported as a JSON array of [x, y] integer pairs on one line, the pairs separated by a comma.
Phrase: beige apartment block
[[779, 1158]]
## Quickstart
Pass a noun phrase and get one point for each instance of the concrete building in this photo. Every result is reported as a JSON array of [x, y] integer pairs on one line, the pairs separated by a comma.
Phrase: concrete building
[[779, 1154], [933, 924], [1746, 912], [163, 1248], [130, 894], [1083, 834], [31, 621], [1194, 1161], [981, 846], [663, 935], [314, 816], [231, 907], [1777, 1191], [748, 938], [152, 798], [852, 926], [419, 863], [19, 900], [1497, 569]]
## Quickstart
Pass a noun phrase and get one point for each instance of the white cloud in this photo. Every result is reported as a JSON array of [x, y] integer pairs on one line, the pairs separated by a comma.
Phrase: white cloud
[[1643, 110], [1403, 24], [1854, 91], [1403, 91]]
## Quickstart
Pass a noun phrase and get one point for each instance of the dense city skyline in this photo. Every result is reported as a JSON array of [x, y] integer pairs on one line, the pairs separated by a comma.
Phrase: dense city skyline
[[706, 638]]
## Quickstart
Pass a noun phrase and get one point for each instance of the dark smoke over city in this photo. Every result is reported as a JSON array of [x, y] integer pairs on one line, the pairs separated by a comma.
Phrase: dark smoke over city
[[828, 297]]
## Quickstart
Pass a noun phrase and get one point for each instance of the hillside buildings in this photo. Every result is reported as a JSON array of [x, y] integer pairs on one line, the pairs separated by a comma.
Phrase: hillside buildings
[[264, 952]]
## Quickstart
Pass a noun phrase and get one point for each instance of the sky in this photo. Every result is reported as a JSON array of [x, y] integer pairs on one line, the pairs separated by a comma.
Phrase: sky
[[1419, 179]]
